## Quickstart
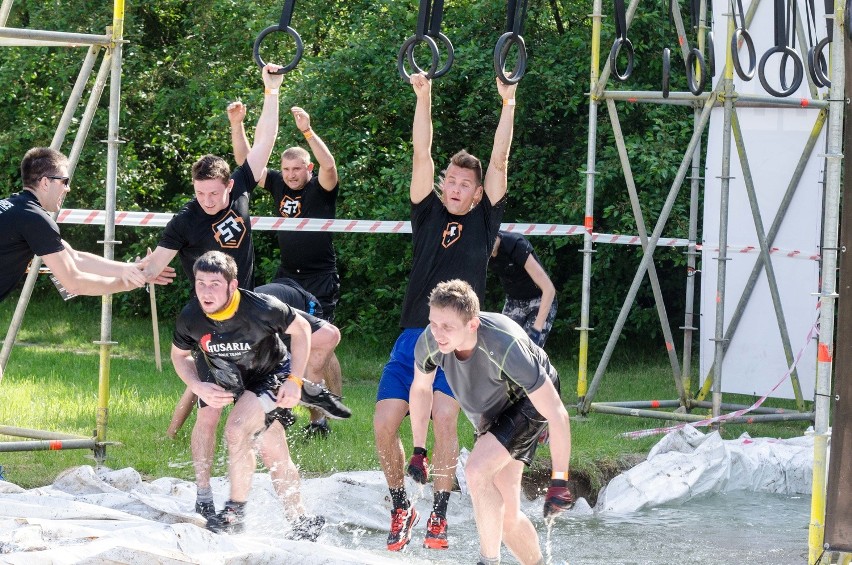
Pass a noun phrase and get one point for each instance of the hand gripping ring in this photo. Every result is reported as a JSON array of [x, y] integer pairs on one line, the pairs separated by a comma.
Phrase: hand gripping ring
[[300, 48], [695, 86], [409, 45], [613, 58], [817, 65], [743, 34], [667, 65], [443, 70], [501, 50], [798, 71]]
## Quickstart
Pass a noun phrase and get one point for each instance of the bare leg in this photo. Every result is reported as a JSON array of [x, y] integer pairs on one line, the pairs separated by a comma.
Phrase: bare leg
[[494, 479], [386, 421], [519, 534], [323, 342], [445, 452], [181, 413], [203, 444], [244, 422], [285, 475]]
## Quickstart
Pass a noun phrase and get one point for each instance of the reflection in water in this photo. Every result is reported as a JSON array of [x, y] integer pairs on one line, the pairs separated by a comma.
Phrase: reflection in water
[[737, 527]]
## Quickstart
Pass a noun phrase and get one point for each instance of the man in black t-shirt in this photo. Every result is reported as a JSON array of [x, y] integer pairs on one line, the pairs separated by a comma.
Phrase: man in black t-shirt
[[530, 294], [453, 235], [307, 257], [324, 339], [240, 335], [28, 229]]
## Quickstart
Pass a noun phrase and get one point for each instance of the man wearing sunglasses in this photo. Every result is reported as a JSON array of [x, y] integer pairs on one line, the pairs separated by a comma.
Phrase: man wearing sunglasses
[[29, 230]]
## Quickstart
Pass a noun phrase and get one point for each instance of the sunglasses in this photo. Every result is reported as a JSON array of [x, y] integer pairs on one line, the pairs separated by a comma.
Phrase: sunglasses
[[65, 180]]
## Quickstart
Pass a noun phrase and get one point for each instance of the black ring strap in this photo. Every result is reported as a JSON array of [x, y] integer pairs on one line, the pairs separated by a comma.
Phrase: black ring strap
[[516, 14]]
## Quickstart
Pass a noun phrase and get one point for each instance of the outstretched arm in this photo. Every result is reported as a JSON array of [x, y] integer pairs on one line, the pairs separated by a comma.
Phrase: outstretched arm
[[422, 166], [496, 176], [327, 168], [420, 406], [548, 291], [113, 276], [267, 126], [546, 400]]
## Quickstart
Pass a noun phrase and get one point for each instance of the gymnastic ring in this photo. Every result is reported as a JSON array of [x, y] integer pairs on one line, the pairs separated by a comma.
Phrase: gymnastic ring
[[409, 44], [450, 57], [752, 56], [613, 58], [817, 65], [798, 71], [667, 66], [695, 87], [501, 50], [711, 54], [300, 48]]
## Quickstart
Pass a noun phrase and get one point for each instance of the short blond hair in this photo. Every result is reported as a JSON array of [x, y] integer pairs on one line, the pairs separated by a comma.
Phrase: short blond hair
[[457, 295], [294, 153]]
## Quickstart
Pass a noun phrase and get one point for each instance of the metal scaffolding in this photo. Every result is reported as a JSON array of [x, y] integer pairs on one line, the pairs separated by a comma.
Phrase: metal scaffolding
[[723, 95], [110, 45]]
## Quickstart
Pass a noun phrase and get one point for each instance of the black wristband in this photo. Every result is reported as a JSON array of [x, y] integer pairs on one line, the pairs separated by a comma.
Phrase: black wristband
[[420, 451], [558, 483]]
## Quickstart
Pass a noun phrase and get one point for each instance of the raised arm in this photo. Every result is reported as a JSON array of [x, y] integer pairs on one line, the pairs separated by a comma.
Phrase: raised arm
[[422, 166], [496, 176], [327, 167], [267, 125], [239, 140], [63, 265], [548, 291]]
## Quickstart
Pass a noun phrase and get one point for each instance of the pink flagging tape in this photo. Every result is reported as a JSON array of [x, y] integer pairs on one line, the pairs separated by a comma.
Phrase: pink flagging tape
[[736, 414], [160, 219]]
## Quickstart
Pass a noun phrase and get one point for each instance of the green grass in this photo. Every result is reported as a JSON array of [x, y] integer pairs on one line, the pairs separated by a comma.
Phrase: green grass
[[51, 383]]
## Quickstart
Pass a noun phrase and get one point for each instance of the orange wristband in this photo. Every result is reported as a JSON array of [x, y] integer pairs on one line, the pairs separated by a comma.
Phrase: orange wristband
[[308, 133], [295, 379], [508, 102]]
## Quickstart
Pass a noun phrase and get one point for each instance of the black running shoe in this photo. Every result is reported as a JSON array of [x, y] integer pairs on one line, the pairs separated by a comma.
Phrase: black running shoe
[[206, 509], [319, 397], [229, 521], [307, 528], [317, 429]]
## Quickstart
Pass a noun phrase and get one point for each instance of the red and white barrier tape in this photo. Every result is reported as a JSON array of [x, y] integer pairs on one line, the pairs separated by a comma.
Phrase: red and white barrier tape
[[160, 219], [721, 418]]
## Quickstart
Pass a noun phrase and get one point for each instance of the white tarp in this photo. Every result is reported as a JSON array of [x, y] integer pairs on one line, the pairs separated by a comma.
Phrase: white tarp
[[687, 463]]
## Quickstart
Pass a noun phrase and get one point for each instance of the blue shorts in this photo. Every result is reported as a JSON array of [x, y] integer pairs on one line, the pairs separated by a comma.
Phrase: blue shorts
[[398, 373]]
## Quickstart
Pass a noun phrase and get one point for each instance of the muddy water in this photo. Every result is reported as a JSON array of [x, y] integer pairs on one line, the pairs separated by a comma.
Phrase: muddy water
[[740, 527]]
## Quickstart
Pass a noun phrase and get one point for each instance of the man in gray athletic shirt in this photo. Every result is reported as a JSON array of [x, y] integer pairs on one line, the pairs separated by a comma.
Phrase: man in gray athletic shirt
[[509, 391]]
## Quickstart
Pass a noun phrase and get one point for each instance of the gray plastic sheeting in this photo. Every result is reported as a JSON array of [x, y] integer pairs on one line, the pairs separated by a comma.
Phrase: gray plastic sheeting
[[687, 463]]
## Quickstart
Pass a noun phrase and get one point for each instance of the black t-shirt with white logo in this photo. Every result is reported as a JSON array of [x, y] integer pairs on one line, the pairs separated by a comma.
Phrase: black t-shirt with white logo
[[304, 252], [193, 232], [27, 230], [448, 247], [508, 264], [242, 349]]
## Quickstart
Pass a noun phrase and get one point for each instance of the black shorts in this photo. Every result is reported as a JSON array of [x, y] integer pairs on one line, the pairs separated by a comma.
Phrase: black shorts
[[325, 286], [518, 428]]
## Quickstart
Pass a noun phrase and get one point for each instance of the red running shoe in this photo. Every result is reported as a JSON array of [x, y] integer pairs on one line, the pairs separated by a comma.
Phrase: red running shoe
[[402, 522], [436, 533]]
